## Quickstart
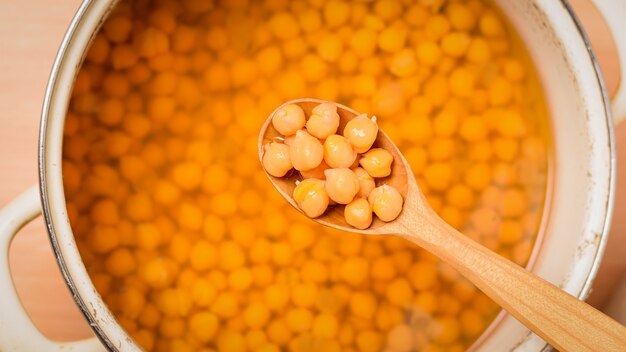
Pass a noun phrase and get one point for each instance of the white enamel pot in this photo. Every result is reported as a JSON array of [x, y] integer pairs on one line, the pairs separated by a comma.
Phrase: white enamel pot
[[575, 223]]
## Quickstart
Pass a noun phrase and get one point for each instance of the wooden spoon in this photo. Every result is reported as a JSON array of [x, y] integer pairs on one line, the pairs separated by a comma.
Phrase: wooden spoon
[[559, 318]]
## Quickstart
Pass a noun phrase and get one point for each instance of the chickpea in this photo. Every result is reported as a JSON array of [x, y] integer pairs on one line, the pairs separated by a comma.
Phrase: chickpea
[[386, 202], [312, 197], [361, 132], [377, 162], [317, 172], [325, 326], [341, 184], [306, 151], [324, 120], [338, 151], [358, 213], [289, 139], [366, 182], [392, 39], [276, 159], [289, 119]]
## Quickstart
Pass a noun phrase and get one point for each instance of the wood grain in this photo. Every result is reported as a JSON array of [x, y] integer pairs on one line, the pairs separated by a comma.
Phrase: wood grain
[[30, 33]]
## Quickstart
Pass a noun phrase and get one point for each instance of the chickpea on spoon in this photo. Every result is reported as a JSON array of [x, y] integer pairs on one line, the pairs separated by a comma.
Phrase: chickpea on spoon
[[385, 185]]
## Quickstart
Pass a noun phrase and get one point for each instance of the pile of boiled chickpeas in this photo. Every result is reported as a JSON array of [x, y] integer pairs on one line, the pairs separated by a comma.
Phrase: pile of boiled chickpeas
[[190, 245], [328, 171]]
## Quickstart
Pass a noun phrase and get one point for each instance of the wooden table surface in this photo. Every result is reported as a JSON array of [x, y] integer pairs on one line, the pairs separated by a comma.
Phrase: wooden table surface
[[30, 33]]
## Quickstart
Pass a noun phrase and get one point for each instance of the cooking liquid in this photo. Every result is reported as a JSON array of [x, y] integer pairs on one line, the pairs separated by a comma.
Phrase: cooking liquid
[[187, 241]]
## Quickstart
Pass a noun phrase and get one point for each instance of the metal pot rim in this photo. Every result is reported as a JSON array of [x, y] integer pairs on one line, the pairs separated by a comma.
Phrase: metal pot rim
[[49, 168]]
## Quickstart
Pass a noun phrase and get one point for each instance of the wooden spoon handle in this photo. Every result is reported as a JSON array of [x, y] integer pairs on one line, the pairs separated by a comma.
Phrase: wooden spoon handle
[[559, 318]]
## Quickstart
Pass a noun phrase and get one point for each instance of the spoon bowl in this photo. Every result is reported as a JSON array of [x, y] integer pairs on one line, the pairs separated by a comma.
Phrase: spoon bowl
[[559, 318], [401, 177]]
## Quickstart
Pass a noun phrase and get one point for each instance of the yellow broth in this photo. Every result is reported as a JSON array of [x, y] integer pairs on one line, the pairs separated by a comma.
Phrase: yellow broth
[[191, 247]]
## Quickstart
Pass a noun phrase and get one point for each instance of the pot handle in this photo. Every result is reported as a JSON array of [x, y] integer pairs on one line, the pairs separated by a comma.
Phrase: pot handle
[[613, 13], [17, 331]]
